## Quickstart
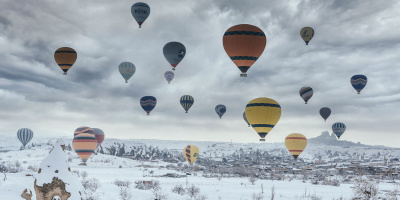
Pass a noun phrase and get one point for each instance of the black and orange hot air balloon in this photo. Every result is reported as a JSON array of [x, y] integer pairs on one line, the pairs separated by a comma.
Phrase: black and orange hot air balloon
[[65, 57], [244, 44]]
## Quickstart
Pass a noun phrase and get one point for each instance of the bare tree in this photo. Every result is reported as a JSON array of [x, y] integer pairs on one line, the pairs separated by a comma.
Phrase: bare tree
[[273, 193], [365, 188], [252, 179], [257, 196], [193, 191]]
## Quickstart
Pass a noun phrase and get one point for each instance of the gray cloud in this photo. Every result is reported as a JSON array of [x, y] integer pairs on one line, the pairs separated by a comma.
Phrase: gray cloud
[[351, 38]]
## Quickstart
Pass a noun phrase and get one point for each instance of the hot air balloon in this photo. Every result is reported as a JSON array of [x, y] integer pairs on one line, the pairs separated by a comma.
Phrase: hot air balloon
[[25, 135], [169, 75], [99, 134], [83, 129], [295, 144], [358, 82], [220, 110], [325, 112], [245, 119], [244, 44], [174, 52], [186, 102], [84, 145], [263, 114], [191, 152], [127, 69], [306, 93], [307, 33], [65, 57], [148, 103], [338, 128], [140, 11]]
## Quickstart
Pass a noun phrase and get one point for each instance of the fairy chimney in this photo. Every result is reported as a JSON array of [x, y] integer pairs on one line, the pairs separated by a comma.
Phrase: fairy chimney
[[55, 180]]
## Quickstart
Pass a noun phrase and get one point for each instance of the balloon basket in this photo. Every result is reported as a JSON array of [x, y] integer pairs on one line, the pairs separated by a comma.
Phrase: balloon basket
[[126, 81], [65, 73], [83, 164], [262, 140], [243, 75]]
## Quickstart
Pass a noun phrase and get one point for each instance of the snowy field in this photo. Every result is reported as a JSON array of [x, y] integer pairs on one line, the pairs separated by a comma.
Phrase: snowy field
[[107, 169]]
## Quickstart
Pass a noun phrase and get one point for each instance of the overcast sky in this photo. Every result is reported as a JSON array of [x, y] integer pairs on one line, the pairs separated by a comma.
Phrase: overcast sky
[[351, 37]]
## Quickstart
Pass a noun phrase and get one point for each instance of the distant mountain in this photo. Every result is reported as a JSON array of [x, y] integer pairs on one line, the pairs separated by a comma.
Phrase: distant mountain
[[331, 140]]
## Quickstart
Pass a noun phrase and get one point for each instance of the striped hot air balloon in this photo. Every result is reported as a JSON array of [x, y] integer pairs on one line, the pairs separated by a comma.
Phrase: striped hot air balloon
[[25, 135], [220, 110], [169, 75], [191, 153], [83, 129], [338, 128], [358, 82], [148, 103], [306, 93], [244, 44], [186, 102], [84, 145], [127, 69], [263, 114], [65, 57], [307, 33], [99, 134], [295, 144]]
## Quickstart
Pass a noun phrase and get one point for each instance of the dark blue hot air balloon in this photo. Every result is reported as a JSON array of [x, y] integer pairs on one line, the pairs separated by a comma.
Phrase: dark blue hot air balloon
[[220, 110], [338, 128], [148, 103], [325, 112], [186, 102], [25, 135], [358, 82]]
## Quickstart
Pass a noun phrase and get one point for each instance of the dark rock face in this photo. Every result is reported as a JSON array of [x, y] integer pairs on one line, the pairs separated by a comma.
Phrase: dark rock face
[[50, 190]]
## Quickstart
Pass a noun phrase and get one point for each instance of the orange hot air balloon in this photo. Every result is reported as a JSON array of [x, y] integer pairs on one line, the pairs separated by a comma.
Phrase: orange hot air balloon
[[65, 57], [84, 145], [295, 143], [244, 44]]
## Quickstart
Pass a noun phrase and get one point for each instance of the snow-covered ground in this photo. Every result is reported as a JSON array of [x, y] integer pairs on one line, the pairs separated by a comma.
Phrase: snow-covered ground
[[108, 168]]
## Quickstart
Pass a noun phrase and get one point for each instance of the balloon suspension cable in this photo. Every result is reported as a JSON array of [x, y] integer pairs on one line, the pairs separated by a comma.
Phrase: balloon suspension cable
[[65, 73]]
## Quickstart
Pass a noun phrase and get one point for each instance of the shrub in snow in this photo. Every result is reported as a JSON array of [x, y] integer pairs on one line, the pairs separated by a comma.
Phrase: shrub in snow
[[120, 183], [91, 184], [201, 197], [192, 191], [178, 189], [147, 185], [124, 189], [255, 196], [252, 179], [158, 193], [365, 188]]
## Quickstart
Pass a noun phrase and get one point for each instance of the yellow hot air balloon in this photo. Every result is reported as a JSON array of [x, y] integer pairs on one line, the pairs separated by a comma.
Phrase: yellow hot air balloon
[[295, 143], [307, 33], [191, 152], [263, 113], [65, 57]]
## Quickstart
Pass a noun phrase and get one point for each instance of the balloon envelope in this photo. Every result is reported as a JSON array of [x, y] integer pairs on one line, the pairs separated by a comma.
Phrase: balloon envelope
[[140, 11], [295, 144], [263, 114], [307, 33], [191, 153], [186, 102], [245, 119], [169, 75], [325, 112], [25, 135], [65, 57], [148, 103], [174, 52], [83, 129], [220, 110], [99, 134], [338, 128], [244, 44], [358, 82], [306, 93], [84, 145], [127, 69]]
